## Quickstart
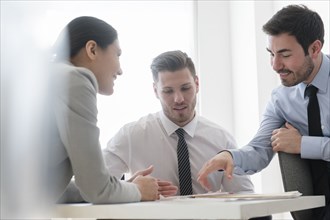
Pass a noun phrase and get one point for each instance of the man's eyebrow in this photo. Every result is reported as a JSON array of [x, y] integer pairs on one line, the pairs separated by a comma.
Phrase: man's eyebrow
[[166, 87], [186, 84], [280, 51], [283, 50]]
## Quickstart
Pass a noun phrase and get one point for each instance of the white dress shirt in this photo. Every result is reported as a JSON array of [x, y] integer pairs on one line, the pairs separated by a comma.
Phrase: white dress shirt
[[152, 141]]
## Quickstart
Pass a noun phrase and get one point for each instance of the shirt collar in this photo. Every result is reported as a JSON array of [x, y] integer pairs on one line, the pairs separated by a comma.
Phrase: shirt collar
[[171, 127], [321, 79]]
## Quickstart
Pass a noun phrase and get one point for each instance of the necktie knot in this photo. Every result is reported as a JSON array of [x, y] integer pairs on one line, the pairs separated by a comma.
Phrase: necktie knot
[[180, 132], [311, 91]]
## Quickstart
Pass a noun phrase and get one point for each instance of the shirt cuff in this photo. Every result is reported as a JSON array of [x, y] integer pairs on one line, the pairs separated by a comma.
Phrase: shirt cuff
[[311, 147], [237, 162]]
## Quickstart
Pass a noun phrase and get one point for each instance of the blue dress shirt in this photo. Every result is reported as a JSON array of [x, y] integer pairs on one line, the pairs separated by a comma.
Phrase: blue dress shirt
[[288, 104]]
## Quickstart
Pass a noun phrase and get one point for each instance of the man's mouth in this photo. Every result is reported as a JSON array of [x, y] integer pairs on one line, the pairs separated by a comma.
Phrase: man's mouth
[[284, 72], [180, 108]]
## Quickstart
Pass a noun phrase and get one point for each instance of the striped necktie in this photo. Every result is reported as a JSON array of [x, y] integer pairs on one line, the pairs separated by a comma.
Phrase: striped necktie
[[183, 164]]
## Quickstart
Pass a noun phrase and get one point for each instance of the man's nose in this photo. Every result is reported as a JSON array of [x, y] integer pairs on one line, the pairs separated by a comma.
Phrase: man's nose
[[178, 97], [277, 63]]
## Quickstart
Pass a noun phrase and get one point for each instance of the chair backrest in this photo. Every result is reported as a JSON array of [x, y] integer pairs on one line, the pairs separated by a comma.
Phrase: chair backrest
[[296, 175]]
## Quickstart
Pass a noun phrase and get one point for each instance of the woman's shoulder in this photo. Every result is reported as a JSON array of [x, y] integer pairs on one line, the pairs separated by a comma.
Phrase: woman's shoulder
[[69, 75]]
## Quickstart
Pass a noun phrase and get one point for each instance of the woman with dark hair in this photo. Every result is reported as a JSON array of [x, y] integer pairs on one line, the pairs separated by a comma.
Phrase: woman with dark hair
[[90, 66]]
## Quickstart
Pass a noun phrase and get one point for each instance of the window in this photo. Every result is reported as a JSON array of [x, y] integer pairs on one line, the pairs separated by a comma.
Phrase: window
[[145, 29]]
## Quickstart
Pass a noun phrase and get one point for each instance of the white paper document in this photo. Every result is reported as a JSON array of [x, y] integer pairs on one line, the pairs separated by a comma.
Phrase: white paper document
[[243, 196]]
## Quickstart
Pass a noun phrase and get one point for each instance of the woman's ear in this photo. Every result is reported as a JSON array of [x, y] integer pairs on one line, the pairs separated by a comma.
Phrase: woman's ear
[[91, 47]]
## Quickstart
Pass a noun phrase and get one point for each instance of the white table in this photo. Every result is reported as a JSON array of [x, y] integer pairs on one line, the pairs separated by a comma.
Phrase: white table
[[197, 208]]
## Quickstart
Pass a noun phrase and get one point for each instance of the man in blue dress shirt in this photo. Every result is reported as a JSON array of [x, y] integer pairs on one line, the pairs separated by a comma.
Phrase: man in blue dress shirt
[[295, 39]]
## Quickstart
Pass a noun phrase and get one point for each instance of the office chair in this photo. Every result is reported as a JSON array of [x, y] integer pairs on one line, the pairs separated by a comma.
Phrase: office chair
[[296, 175]]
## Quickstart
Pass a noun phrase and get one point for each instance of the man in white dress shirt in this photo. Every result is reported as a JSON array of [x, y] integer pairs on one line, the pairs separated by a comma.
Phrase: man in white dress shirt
[[152, 139]]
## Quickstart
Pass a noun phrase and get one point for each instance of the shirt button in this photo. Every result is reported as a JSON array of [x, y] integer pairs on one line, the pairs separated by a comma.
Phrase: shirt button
[[322, 127]]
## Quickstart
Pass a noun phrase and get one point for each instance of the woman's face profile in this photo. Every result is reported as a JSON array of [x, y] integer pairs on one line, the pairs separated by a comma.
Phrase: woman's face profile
[[107, 67]]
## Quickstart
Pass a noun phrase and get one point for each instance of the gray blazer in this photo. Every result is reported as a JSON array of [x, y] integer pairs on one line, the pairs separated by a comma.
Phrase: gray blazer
[[75, 149]]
